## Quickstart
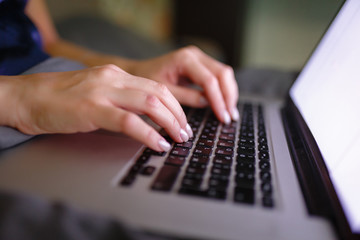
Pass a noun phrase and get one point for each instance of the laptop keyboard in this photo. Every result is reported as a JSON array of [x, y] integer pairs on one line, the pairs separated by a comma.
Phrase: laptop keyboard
[[222, 162]]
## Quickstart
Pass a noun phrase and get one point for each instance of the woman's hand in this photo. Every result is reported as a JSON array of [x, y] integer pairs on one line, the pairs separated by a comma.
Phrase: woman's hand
[[100, 97], [216, 79], [219, 88]]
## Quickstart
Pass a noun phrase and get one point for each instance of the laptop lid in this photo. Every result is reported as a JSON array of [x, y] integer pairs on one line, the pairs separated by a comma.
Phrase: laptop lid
[[326, 95]]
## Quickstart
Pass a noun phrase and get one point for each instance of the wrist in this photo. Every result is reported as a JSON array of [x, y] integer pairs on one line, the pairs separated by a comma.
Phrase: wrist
[[9, 100], [128, 65]]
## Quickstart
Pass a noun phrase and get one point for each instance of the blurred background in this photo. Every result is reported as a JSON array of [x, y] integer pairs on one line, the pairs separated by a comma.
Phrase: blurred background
[[276, 34]]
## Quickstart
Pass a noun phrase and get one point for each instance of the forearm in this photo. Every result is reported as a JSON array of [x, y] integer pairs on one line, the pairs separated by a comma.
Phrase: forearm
[[63, 48], [8, 100], [55, 46]]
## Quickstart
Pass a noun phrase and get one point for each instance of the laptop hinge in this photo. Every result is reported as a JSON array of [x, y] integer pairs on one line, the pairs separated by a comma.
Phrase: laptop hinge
[[316, 185]]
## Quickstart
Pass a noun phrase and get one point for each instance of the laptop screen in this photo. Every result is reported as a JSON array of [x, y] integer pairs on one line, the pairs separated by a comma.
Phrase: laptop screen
[[327, 94]]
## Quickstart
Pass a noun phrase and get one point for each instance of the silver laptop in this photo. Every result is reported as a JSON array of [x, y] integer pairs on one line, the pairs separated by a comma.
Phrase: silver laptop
[[288, 169]]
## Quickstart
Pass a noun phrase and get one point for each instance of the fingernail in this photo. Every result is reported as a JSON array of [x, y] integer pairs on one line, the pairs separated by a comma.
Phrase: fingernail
[[235, 114], [164, 145], [203, 101], [227, 118], [189, 131], [184, 136]]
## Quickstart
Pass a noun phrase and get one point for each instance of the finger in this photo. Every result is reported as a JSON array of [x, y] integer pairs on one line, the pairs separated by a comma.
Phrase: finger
[[141, 102], [118, 120], [188, 96], [227, 82], [201, 75], [162, 92], [229, 89]]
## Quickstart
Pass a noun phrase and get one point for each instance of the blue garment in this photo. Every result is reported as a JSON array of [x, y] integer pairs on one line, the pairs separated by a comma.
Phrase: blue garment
[[20, 42]]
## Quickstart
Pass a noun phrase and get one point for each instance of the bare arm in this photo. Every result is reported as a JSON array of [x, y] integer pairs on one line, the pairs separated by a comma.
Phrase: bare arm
[[110, 96], [56, 46], [217, 80]]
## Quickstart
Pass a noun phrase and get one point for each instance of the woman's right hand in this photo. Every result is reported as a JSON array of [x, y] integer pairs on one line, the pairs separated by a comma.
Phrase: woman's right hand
[[103, 97]]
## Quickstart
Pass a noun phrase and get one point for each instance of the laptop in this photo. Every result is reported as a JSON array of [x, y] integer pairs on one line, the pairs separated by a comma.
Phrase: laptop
[[287, 170]]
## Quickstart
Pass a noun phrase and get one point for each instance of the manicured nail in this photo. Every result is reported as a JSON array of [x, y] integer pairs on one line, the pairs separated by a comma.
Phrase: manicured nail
[[227, 118], [189, 131], [164, 145], [184, 136], [235, 114], [203, 101]]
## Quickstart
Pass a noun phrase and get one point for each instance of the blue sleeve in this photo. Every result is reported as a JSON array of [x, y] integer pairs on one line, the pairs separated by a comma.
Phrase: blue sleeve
[[10, 137]]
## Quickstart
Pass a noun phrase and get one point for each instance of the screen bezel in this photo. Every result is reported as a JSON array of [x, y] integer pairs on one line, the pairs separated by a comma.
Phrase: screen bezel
[[318, 190], [323, 189]]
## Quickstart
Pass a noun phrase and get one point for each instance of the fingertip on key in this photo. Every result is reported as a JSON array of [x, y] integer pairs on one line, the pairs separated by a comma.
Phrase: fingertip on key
[[227, 118]]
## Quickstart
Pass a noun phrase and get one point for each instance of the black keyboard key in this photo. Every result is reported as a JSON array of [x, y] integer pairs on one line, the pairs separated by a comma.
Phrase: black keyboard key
[[227, 136], [245, 166], [166, 136], [202, 150], [264, 165], [265, 176], [222, 166], [166, 178], [262, 140], [222, 160], [175, 160], [263, 147], [242, 157], [210, 136], [194, 123], [216, 194], [266, 188], [244, 195], [225, 157], [261, 127], [193, 192], [228, 129], [220, 171], [246, 149], [210, 129], [245, 157], [249, 135], [246, 140], [225, 143], [262, 133], [187, 144], [233, 124], [268, 201], [205, 142], [194, 176], [144, 158], [245, 179], [200, 159], [135, 168], [194, 170], [212, 121], [197, 165], [191, 183], [149, 151], [224, 151], [264, 155], [220, 177], [218, 184], [147, 171], [195, 130], [128, 180], [180, 151]]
